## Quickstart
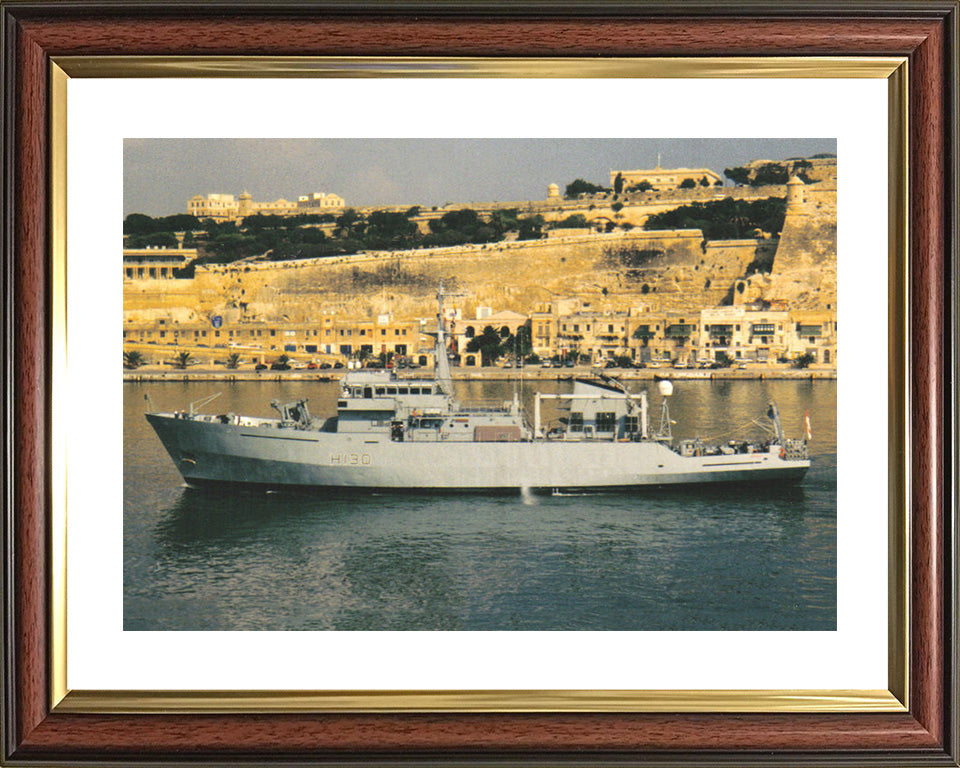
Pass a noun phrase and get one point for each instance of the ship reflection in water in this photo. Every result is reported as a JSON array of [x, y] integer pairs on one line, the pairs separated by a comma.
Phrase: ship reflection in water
[[694, 558]]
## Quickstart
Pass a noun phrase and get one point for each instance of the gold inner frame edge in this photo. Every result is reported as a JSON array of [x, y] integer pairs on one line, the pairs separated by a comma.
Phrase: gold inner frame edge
[[103, 701]]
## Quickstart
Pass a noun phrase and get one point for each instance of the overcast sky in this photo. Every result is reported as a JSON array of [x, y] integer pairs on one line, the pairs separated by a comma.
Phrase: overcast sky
[[160, 175]]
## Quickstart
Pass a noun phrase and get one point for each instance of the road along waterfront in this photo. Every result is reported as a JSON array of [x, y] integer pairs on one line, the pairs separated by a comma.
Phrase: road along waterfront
[[532, 373]]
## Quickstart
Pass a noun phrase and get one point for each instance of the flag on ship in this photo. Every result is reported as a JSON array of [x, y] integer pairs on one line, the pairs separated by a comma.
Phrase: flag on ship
[[806, 425]]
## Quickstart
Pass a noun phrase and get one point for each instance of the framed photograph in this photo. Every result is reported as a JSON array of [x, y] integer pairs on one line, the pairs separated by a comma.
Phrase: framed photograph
[[535, 443]]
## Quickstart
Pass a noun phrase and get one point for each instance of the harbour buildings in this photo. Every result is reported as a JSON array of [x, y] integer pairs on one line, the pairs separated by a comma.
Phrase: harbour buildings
[[738, 334]]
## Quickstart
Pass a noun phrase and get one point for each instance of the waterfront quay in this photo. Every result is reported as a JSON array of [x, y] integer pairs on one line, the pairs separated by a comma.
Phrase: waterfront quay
[[528, 373]]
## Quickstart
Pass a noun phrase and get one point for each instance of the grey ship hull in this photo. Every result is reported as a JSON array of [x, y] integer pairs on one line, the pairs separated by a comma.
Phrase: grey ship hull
[[206, 453]]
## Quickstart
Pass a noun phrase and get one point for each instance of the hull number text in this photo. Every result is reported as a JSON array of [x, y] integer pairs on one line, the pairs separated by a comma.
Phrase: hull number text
[[350, 459]]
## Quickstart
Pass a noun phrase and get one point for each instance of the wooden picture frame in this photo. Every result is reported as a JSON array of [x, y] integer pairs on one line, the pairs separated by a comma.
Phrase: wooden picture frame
[[36, 34]]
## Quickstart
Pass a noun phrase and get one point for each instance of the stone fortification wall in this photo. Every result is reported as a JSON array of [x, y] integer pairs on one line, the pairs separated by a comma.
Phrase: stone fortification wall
[[663, 270], [636, 206], [805, 268]]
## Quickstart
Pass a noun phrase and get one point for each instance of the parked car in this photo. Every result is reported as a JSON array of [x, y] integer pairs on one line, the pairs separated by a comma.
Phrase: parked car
[[260, 367], [312, 366], [338, 364], [279, 367]]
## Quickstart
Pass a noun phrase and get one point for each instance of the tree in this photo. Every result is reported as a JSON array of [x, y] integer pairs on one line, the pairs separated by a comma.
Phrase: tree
[[643, 186], [531, 228], [770, 173], [688, 184], [738, 175], [389, 230], [580, 187], [153, 240], [178, 222], [618, 183], [233, 360], [804, 360], [182, 360], [726, 219], [521, 343], [487, 344], [723, 359], [349, 223], [138, 224], [132, 359], [576, 221], [704, 182]]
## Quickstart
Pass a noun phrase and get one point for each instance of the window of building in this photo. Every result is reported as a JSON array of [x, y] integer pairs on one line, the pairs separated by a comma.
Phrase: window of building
[[606, 422], [576, 422]]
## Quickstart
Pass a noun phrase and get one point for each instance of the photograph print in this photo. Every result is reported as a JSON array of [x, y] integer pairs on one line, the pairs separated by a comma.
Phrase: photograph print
[[480, 384]]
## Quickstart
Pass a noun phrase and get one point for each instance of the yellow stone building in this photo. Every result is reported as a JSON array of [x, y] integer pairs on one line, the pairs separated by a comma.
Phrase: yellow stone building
[[665, 178], [155, 263], [320, 202], [223, 207], [814, 332], [329, 337]]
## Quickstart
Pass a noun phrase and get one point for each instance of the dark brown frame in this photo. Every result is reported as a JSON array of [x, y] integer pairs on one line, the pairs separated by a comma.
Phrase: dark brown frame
[[925, 32]]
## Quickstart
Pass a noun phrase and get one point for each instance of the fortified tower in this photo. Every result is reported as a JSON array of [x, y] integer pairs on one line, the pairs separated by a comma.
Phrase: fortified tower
[[795, 195], [805, 266], [245, 207]]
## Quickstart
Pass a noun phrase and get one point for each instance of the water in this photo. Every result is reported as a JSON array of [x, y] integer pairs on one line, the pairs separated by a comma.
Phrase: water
[[722, 558]]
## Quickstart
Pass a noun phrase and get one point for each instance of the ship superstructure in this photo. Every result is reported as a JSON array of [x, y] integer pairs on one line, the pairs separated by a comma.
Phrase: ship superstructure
[[400, 433]]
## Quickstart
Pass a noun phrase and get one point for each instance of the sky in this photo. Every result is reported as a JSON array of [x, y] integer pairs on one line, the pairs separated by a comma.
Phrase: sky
[[160, 175]]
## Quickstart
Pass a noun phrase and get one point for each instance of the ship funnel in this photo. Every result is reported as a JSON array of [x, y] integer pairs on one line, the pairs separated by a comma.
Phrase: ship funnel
[[666, 388]]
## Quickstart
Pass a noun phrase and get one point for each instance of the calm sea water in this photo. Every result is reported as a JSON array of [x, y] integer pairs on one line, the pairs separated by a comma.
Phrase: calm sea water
[[731, 558]]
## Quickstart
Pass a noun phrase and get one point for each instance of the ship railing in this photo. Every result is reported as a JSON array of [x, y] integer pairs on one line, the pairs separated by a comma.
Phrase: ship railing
[[795, 450], [484, 406]]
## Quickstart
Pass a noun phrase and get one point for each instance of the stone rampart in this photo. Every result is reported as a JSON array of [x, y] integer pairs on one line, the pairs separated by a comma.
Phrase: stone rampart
[[620, 270], [805, 268]]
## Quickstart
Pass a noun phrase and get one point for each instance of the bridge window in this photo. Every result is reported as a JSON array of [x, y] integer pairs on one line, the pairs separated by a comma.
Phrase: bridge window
[[606, 422]]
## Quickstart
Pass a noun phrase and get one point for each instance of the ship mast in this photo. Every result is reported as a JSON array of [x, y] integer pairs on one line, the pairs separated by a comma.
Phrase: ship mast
[[442, 375]]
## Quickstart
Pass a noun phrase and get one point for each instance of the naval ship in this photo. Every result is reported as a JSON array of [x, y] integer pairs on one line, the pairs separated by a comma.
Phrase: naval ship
[[413, 434]]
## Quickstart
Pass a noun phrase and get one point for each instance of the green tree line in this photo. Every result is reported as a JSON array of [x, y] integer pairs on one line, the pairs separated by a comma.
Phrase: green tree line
[[726, 219], [282, 238]]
